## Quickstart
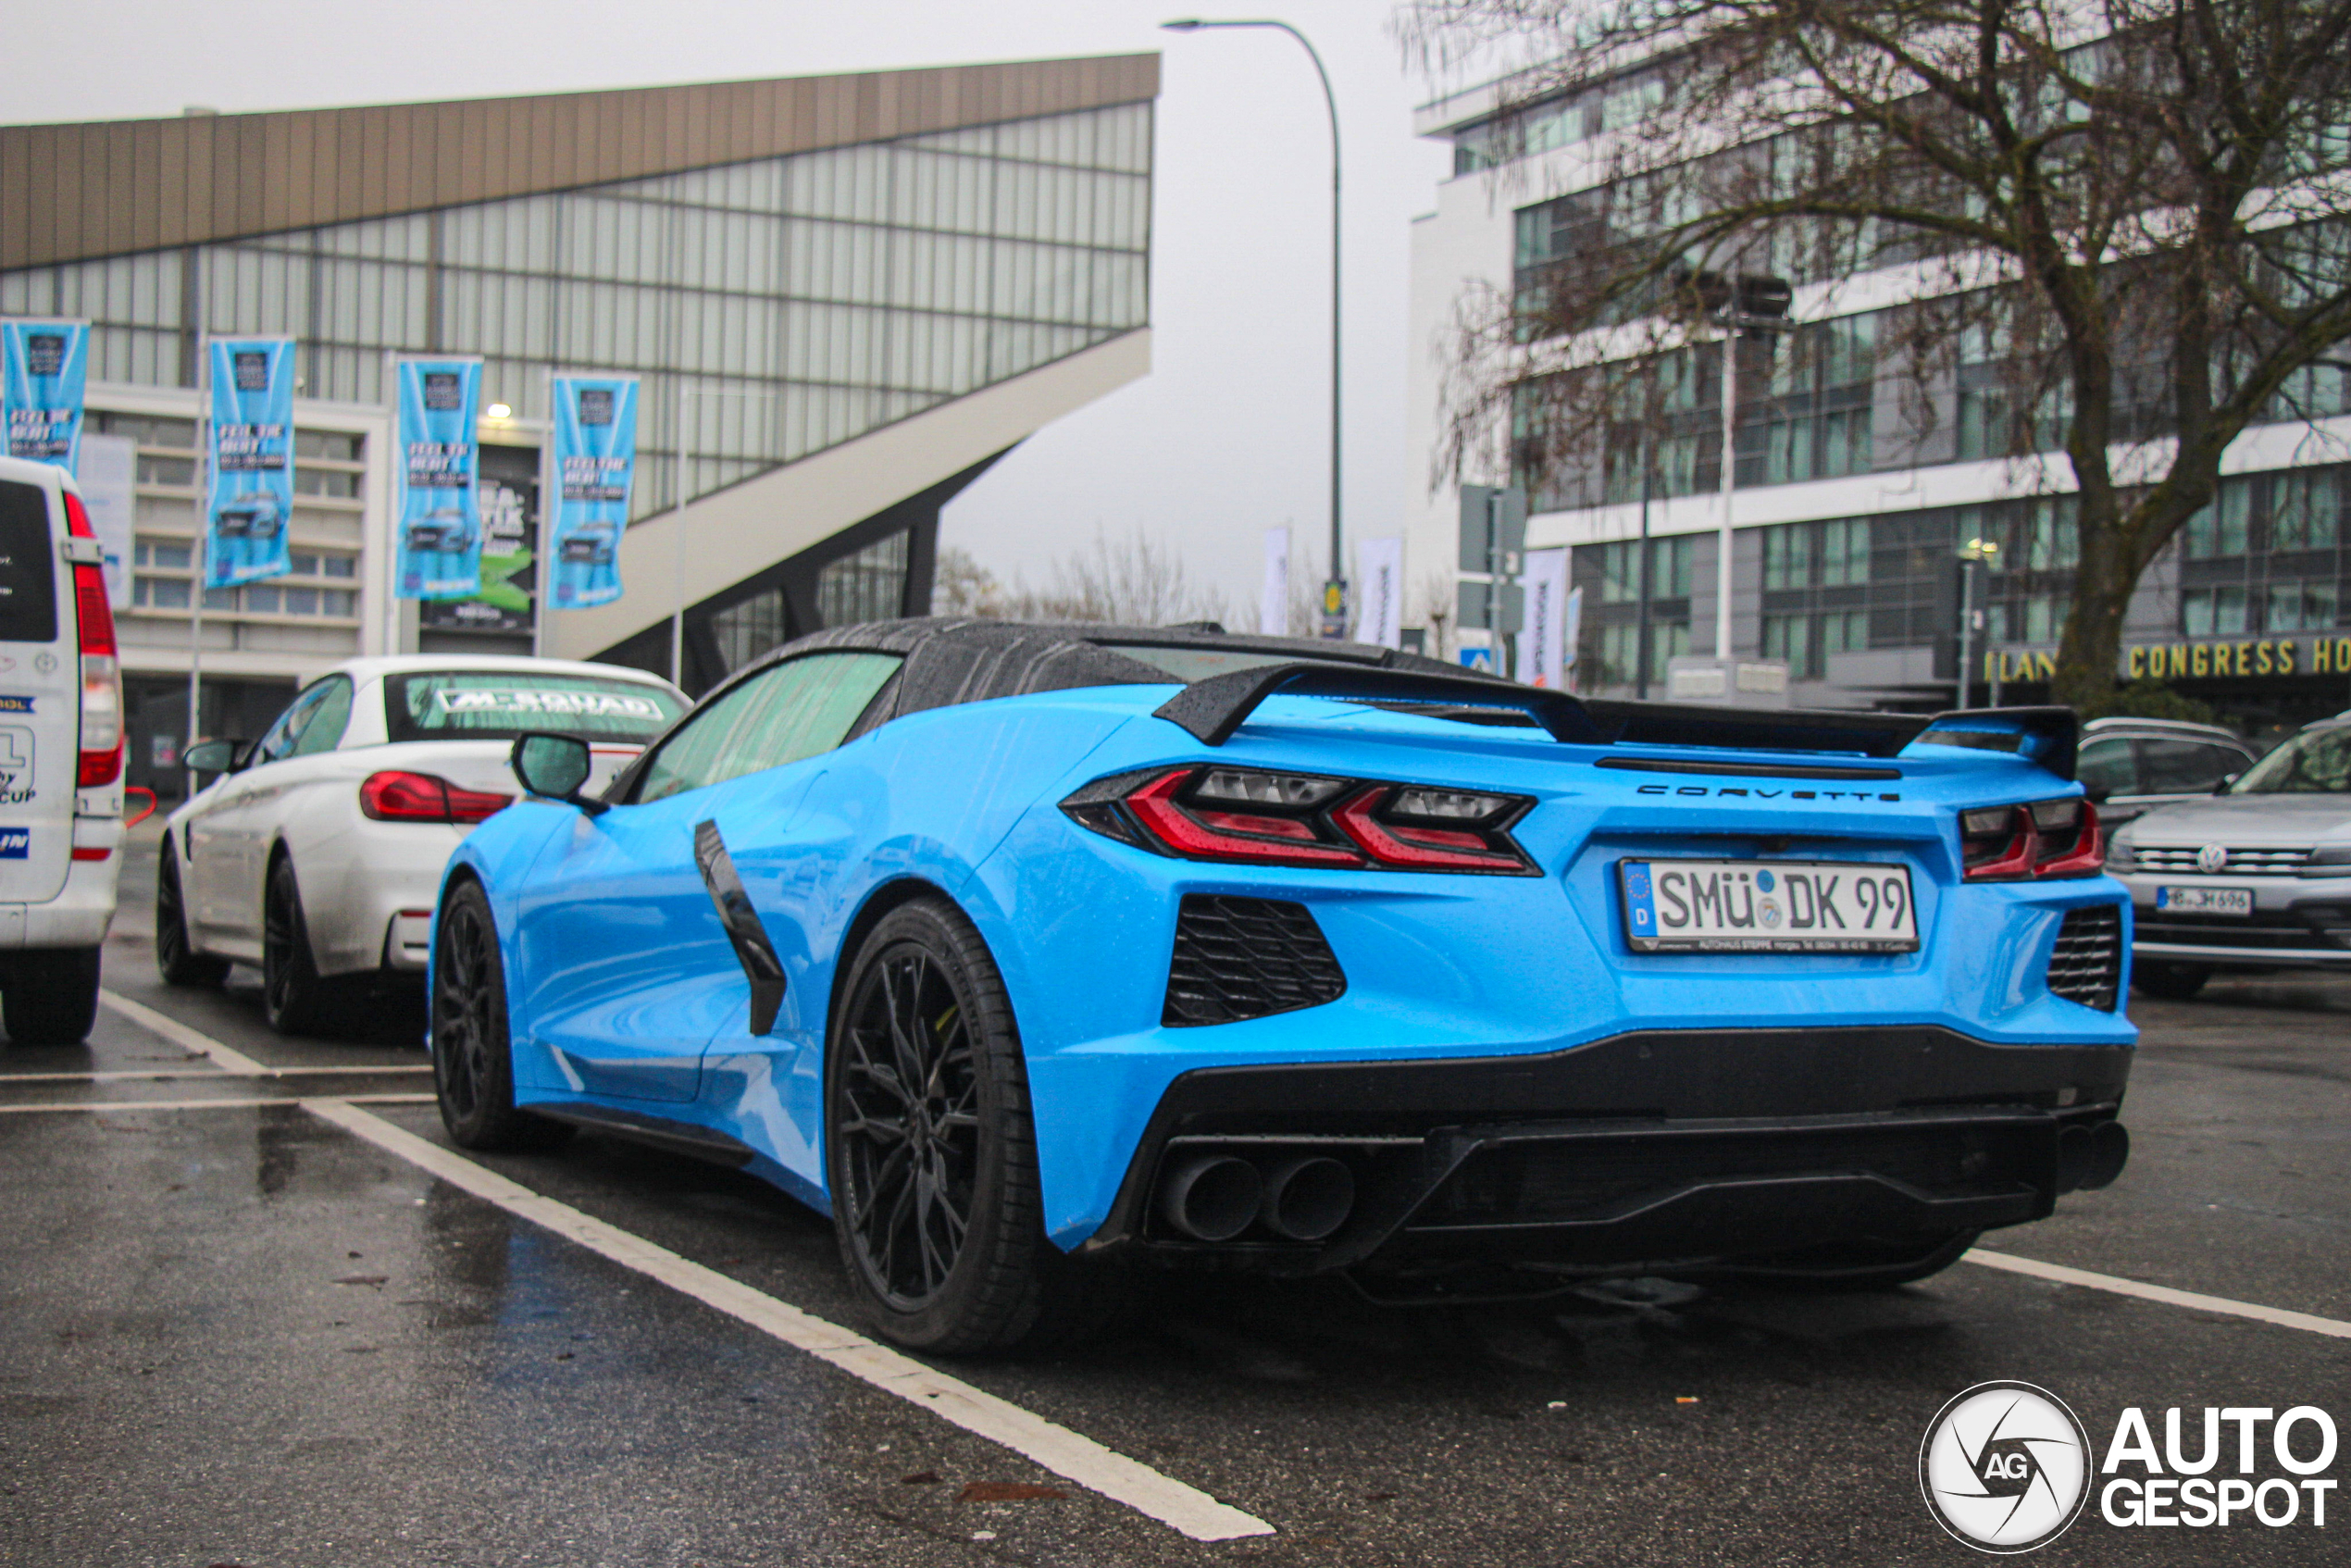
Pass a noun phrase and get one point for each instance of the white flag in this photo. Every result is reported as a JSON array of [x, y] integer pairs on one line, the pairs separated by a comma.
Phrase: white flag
[[1379, 592], [1272, 609], [1573, 636], [1542, 641]]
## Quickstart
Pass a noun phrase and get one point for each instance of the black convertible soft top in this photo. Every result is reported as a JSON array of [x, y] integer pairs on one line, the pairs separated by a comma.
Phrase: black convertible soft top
[[951, 660]]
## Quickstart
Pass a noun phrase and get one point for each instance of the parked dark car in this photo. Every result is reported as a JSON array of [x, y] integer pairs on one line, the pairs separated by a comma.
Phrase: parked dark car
[[2130, 765]]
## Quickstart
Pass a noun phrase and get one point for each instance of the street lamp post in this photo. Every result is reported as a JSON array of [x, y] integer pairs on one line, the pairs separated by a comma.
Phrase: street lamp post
[[1975, 552], [1330, 102]]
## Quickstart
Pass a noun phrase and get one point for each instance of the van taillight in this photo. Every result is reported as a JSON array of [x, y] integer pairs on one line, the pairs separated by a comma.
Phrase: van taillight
[[101, 760]]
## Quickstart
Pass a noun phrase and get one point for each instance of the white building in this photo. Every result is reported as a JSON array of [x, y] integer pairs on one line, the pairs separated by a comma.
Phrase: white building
[[1846, 529]]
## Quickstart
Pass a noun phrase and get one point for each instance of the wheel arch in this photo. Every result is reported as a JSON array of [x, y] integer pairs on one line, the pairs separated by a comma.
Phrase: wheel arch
[[893, 894]]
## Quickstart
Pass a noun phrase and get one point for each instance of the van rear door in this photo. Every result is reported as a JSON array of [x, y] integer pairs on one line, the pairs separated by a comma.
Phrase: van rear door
[[40, 693]]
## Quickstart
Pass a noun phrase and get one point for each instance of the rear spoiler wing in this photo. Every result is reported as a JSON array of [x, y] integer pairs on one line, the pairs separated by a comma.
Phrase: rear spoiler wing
[[2051, 737], [1212, 710]]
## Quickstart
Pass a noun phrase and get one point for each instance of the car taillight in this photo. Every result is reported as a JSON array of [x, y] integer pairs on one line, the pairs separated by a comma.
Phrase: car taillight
[[101, 757], [395, 796], [1258, 818], [2044, 838]]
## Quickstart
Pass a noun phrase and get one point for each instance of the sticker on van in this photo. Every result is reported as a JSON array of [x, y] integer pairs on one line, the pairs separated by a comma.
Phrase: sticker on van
[[15, 705], [16, 764], [15, 843]]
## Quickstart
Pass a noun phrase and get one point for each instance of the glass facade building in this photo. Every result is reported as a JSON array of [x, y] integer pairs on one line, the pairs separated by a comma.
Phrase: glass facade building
[[843, 298]]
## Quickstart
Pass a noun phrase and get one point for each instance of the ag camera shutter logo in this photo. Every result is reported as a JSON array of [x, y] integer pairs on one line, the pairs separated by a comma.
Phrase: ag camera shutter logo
[[2005, 1467]]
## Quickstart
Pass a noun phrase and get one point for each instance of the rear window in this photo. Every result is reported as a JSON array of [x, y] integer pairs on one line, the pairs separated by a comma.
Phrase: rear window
[[480, 704], [1188, 665], [28, 566]]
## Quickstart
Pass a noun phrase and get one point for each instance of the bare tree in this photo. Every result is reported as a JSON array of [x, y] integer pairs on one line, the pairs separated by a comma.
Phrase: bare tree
[[1130, 582], [2116, 227]]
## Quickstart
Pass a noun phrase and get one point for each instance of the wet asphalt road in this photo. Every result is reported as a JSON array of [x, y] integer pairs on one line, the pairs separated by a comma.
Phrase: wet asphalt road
[[237, 1334]]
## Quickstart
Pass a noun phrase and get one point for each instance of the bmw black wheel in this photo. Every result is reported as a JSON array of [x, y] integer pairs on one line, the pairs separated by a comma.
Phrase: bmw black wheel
[[295, 998], [473, 1064], [931, 1150], [175, 956]]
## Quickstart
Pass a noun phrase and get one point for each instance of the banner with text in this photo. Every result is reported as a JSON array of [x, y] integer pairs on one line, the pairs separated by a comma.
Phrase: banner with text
[[439, 514], [46, 362], [1379, 615], [249, 459], [595, 468], [1542, 646]]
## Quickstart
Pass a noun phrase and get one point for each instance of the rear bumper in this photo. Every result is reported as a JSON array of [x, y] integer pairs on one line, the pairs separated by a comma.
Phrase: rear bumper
[[79, 915], [1687, 1147]]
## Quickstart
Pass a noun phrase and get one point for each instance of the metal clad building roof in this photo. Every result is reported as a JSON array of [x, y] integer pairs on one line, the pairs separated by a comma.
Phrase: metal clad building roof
[[71, 193]]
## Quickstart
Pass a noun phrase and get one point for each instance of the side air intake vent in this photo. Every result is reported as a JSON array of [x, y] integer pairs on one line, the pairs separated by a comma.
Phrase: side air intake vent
[[1245, 958], [2087, 962]]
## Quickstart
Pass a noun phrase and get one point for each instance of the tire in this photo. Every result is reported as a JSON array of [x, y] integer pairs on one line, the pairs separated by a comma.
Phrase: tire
[[473, 1062], [175, 956], [924, 998], [295, 998], [2171, 982], [51, 997]]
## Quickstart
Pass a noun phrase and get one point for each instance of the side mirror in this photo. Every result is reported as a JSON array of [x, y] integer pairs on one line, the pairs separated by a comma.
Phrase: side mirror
[[211, 756], [556, 766]]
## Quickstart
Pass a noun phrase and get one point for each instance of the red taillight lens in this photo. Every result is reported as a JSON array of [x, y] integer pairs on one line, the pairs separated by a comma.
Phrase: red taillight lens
[[101, 747], [2044, 839], [1302, 819], [394, 796]]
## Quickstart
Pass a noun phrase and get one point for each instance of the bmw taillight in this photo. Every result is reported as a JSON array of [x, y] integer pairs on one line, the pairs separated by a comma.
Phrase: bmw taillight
[[1250, 817], [2044, 838], [397, 796], [101, 758]]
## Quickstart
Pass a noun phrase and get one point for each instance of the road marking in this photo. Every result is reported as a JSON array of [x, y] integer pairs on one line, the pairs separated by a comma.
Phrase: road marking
[[129, 1077], [223, 1057], [1059, 1449], [2333, 1327], [224, 1103]]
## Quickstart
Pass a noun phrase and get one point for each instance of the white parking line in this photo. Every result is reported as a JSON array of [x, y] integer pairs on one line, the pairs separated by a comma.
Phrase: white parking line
[[2059, 1273], [128, 1076], [223, 1057], [1059, 1449], [226, 1103]]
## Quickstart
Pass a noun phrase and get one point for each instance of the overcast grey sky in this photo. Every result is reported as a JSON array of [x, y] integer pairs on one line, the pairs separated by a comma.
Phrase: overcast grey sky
[[1227, 437]]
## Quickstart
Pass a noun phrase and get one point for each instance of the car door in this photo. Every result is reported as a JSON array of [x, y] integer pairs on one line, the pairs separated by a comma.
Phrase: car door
[[626, 970], [224, 891]]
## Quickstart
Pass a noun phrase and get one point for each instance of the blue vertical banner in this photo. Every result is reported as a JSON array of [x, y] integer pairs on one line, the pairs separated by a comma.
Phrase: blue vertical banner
[[249, 456], [42, 366], [595, 468], [439, 554]]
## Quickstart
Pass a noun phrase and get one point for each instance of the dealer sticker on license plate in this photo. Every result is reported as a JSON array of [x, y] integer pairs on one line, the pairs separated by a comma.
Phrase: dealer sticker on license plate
[[1767, 906], [2205, 900]]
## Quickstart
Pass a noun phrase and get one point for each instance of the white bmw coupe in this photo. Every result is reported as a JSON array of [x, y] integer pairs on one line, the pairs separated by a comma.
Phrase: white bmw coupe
[[315, 852]]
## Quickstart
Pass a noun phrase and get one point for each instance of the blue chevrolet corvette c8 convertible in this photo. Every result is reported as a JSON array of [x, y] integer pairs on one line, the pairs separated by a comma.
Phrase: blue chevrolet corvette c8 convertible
[[1038, 956]]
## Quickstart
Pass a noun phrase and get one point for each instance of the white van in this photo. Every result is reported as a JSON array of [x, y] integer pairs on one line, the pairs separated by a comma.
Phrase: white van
[[60, 758]]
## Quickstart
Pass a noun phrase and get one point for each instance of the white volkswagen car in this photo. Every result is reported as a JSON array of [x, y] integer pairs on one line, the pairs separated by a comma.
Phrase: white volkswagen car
[[315, 852]]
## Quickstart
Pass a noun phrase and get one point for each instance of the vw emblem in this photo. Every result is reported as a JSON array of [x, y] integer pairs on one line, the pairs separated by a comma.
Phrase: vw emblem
[[2211, 860]]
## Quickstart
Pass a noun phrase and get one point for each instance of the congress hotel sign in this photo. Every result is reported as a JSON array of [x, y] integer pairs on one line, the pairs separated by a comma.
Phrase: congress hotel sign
[[2208, 659]]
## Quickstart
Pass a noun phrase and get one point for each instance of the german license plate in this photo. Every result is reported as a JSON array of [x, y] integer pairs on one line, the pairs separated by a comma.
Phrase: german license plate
[[2205, 900], [1767, 906]]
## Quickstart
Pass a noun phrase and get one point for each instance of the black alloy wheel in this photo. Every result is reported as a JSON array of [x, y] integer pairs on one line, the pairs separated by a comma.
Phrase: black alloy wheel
[[175, 956], [931, 1152], [295, 998], [473, 1065]]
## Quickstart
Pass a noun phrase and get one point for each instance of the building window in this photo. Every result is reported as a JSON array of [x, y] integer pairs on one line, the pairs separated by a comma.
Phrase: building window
[[2211, 612], [749, 628], [868, 586], [1669, 570]]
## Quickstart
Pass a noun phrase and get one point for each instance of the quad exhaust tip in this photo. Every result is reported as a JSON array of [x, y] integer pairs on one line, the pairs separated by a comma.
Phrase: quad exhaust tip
[[1217, 1197], [2089, 1158], [1213, 1197]]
